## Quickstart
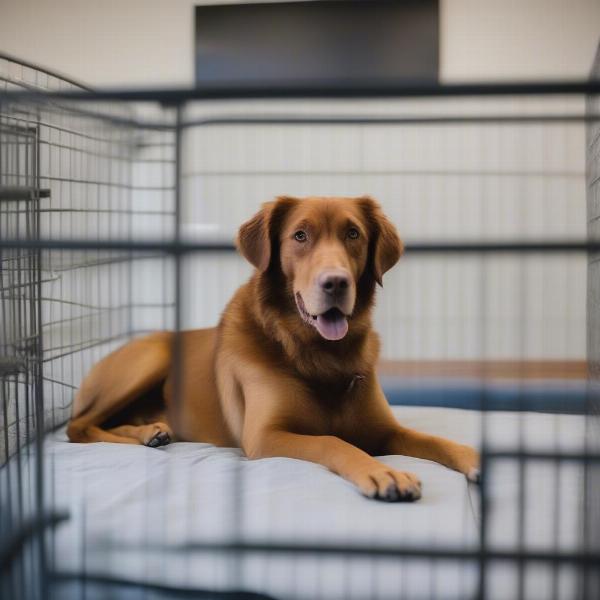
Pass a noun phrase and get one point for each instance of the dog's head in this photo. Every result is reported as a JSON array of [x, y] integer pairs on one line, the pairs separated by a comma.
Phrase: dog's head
[[328, 250]]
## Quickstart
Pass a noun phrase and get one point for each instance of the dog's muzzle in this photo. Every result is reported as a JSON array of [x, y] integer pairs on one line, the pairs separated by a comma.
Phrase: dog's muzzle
[[332, 324]]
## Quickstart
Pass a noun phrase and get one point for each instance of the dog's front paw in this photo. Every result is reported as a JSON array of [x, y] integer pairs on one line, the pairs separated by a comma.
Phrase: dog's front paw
[[468, 462], [383, 483]]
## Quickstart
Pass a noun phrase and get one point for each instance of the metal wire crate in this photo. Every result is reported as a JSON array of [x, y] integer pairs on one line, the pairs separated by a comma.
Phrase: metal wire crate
[[107, 207]]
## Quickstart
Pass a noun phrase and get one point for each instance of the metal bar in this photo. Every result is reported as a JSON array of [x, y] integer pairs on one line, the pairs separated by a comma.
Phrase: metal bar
[[405, 120], [319, 89], [395, 120], [544, 456], [170, 591], [10, 365], [13, 546], [38, 369], [182, 247], [484, 504], [12, 193], [177, 343], [416, 552], [35, 67]]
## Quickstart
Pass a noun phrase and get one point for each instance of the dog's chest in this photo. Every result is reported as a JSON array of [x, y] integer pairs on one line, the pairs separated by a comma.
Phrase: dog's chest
[[339, 405]]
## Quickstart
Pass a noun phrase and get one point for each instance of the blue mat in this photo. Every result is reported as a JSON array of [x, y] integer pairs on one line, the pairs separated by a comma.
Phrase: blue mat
[[553, 396]]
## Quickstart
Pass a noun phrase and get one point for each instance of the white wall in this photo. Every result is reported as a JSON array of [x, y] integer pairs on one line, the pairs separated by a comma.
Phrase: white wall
[[144, 42], [519, 39], [454, 182]]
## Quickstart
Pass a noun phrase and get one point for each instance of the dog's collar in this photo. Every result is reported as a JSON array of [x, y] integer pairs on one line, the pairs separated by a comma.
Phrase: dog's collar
[[355, 378]]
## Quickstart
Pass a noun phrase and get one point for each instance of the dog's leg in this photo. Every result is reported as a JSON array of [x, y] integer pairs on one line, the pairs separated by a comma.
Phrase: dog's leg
[[117, 380], [408, 442], [153, 434], [276, 405], [373, 478], [91, 433], [389, 437]]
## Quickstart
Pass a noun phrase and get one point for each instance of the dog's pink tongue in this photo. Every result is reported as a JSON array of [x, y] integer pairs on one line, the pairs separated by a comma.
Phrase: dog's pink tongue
[[332, 325]]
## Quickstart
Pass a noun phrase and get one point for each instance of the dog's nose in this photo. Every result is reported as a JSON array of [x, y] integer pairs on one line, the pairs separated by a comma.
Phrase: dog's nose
[[334, 282]]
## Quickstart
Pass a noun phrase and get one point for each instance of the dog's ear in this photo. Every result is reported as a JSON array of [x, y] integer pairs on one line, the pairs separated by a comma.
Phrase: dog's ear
[[256, 237], [253, 240], [386, 247]]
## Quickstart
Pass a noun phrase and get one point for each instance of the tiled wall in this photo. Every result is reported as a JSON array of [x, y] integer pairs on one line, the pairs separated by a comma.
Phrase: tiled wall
[[437, 182]]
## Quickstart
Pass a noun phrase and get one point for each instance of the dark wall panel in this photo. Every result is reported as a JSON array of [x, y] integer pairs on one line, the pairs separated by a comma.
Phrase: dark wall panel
[[328, 41]]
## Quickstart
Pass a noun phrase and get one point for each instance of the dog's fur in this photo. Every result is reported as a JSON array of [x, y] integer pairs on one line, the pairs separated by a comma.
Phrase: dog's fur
[[290, 369]]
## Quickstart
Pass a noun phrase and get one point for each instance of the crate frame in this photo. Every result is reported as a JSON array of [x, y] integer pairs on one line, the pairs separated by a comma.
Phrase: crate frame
[[29, 248]]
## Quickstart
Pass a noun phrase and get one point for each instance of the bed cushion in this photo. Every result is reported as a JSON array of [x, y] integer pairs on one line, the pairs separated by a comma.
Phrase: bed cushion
[[139, 511]]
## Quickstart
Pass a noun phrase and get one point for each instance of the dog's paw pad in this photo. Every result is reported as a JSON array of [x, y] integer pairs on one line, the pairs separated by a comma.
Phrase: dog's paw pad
[[162, 438]]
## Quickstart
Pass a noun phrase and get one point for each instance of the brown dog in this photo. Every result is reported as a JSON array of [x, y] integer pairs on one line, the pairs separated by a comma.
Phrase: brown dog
[[290, 370]]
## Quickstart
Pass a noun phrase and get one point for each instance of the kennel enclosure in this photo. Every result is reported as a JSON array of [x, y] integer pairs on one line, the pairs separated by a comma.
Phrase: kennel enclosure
[[116, 209]]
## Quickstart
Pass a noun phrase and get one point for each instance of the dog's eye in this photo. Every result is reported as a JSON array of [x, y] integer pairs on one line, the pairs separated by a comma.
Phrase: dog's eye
[[353, 233], [300, 236]]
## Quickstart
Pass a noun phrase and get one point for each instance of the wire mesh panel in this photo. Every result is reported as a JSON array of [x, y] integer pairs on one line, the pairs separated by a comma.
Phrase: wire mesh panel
[[117, 221], [65, 174], [20, 276], [20, 338]]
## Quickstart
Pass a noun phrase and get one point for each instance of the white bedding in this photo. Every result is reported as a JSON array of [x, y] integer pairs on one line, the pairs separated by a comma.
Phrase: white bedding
[[130, 504]]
